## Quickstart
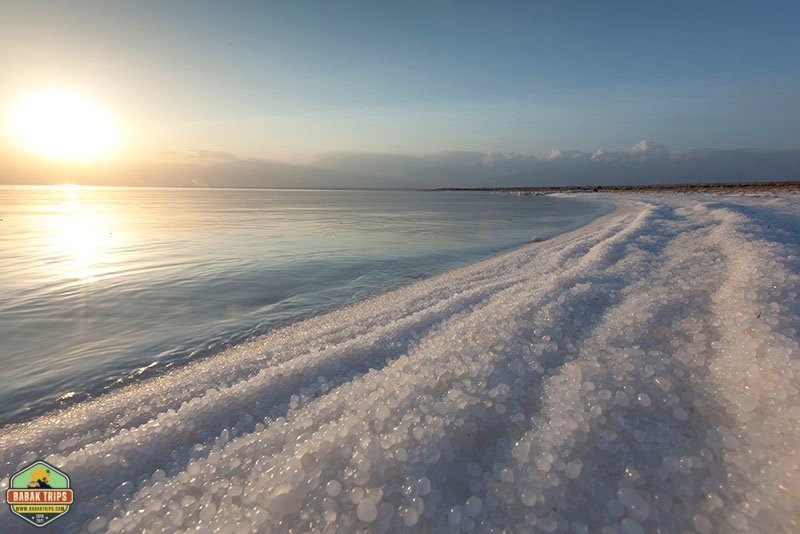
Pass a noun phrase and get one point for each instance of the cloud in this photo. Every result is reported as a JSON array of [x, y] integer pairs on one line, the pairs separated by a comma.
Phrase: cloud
[[642, 152], [645, 151], [210, 157], [646, 162]]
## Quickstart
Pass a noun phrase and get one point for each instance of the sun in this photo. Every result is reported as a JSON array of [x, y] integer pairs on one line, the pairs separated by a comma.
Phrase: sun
[[62, 125]]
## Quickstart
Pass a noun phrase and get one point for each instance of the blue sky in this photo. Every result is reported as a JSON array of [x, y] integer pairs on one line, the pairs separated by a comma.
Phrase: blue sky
[[290, 80]]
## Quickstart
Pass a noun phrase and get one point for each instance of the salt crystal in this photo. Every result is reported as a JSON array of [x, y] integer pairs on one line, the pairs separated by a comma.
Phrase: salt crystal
[[547, 524], [630, 526], [616, 509], [410, 517], [454, 516], [702, 524], [333, 488], [424, 487], [573, 469], [367, 511], [473, 506]]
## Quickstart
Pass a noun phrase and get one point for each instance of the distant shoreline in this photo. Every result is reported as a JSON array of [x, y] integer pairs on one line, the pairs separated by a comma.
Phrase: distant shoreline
[[729, 187]]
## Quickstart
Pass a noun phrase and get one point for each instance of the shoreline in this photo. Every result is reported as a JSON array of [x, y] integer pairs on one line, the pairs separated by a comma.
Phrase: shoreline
[[728, 187], [368, 273]]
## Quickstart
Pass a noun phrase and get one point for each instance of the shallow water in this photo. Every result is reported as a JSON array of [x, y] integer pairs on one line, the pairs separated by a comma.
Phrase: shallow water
[[100, 286]]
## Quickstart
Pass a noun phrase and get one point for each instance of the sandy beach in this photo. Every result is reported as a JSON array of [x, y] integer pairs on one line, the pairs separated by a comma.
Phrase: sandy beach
[[636, 375]]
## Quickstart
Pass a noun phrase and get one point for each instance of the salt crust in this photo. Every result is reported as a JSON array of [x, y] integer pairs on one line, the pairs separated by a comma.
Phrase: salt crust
[[637, 375]]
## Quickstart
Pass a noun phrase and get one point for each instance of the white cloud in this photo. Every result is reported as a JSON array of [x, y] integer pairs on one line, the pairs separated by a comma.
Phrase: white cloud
[[645, 150], [603, 155]]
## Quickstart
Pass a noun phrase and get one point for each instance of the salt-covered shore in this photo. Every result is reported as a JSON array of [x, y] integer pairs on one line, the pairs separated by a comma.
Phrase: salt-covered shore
[[637, 375]]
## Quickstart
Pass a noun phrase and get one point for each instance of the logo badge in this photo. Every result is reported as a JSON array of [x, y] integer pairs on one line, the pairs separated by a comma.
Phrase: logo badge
[[39, 493]]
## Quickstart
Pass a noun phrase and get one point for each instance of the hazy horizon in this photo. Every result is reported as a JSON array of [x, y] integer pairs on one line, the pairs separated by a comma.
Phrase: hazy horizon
[[643, 164]]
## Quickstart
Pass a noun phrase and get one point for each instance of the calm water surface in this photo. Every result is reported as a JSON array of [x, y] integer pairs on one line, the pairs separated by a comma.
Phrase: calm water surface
[[99, 286]]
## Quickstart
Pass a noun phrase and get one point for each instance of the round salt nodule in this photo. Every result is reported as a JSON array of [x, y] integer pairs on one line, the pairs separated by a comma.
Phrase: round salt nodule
[[473, 506], [367, 511], [333, 488]]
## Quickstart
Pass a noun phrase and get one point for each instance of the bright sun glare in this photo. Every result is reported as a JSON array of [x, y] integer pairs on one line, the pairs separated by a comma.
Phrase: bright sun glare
[[80, 235], [62, 125]]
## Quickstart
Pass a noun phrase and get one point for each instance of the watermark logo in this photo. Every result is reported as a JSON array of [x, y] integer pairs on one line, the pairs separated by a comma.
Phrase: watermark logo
[[39, 493]]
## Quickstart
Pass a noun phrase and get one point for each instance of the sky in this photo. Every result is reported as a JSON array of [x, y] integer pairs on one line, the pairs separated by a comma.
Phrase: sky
[[412, 93]]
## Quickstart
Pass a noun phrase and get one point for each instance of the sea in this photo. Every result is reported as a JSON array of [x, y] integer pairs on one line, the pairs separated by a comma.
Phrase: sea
[[102, 286]]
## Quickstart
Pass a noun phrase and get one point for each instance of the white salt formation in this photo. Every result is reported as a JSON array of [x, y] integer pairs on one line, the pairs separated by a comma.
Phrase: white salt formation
[[637, 375]]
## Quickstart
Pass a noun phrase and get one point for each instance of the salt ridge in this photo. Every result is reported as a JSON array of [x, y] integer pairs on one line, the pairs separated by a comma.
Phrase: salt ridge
[[637, 374]]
